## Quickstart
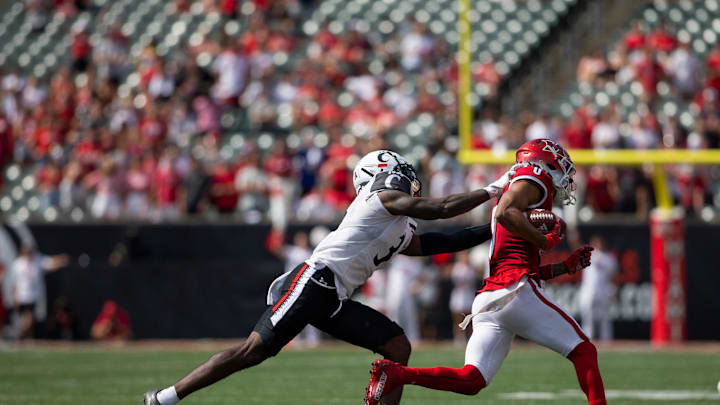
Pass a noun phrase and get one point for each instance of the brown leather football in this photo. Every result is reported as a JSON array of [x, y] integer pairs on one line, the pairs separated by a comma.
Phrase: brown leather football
[[543, 220]]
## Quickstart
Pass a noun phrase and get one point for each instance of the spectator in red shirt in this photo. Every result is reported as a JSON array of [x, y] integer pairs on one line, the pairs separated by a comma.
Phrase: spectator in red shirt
[[229, 8], [153, 127], [649, 72], [45, 137], [80, 49], [635, 39], [87, 151], [576, 134], [6, 142], [113, 323], [165, 187], [602, 189], [713, 61], [662, 39], [223, 194], [713, 69], [183, 6], [337, 195]]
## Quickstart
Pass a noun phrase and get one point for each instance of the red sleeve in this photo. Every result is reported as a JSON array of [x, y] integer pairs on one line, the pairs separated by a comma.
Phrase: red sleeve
[[539, 177]]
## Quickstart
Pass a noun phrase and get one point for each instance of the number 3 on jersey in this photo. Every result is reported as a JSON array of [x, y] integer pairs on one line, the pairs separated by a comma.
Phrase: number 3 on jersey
[[391, 252]]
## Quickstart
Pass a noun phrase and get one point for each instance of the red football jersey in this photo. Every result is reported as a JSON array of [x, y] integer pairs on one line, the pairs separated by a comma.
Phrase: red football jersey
[[511, 256]]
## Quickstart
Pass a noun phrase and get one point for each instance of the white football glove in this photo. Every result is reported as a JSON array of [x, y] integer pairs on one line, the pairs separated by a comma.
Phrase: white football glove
[[496, 188]]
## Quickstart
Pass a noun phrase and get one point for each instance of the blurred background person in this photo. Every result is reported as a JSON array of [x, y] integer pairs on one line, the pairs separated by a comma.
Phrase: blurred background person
[[195, 189], [281, 184], [62, 323], [252, 184], [463, 293], [401, 290], [597, 291], [294, 254], [113, 323], [13, 235], [24, 290]]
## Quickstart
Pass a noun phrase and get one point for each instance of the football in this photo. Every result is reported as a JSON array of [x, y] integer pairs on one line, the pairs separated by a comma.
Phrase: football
[[542, 220]]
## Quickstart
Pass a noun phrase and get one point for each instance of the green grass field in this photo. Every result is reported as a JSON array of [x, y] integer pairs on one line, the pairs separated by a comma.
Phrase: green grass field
[[337, 375]]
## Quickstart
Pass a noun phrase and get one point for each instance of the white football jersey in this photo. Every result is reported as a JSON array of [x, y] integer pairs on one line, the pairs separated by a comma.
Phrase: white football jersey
[[367, 237]]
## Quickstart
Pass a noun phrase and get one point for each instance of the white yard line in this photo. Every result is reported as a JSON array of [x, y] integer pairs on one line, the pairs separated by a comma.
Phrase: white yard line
[[658, 395]]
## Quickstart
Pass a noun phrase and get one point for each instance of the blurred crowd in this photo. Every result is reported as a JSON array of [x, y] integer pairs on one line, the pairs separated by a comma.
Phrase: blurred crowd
[[262, 120], [142, 138]]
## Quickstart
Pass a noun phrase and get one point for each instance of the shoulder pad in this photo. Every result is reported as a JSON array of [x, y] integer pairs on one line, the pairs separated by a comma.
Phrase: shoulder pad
[[534, 171], [390, 181], [540, 177]]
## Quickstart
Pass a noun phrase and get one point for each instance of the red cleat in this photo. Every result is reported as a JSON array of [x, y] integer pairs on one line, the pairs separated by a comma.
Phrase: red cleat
[[383, 379]]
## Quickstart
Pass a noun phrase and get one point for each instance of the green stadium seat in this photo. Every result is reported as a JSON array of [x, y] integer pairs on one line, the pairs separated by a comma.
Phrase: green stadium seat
[[33, 204], [675, 15]]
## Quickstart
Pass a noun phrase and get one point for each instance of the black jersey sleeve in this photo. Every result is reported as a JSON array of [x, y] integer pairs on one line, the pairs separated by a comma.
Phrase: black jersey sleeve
[[390, 181]]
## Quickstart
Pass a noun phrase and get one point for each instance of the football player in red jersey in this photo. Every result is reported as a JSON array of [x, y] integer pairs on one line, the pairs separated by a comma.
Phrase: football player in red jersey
[[512, 301]]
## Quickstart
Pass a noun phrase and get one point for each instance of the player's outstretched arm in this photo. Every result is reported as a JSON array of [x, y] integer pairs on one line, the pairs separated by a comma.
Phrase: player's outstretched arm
[[433, 243], [578, 260], [510, 212], [399, 203]]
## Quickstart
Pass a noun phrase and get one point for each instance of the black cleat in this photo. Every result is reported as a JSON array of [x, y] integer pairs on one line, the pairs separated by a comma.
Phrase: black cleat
[[150, 398]]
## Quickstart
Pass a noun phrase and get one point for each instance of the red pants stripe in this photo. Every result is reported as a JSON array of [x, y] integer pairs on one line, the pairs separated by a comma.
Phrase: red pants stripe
[[292, 286], [559, 311]]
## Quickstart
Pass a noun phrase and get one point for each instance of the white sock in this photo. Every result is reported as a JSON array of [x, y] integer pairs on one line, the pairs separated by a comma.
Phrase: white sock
[[168, 396]]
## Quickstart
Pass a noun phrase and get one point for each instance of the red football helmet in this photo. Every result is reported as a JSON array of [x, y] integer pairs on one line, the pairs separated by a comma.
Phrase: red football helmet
[[555, 160]]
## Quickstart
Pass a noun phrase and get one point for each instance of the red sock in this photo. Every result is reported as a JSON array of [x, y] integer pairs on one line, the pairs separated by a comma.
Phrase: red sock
[[584, 358], [467, 380]]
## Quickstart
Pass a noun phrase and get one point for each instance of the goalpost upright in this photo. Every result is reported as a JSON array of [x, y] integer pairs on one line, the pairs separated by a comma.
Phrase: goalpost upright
[[464, 81]]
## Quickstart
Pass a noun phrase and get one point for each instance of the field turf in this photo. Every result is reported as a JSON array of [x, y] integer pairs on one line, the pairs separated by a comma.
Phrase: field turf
[[338, 374]]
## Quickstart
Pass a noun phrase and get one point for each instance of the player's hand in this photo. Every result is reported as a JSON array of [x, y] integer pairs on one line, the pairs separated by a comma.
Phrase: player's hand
[[579, 259], [556, 235], [495, 188]]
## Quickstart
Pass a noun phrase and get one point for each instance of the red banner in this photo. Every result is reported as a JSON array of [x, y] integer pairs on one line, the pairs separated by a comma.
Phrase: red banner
[[667, 263]]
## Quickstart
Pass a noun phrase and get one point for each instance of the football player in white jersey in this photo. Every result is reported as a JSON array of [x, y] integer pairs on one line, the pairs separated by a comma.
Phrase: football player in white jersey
[[378, 225]]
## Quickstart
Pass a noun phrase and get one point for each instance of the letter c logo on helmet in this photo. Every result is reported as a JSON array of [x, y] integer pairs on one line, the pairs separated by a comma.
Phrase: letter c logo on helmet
[[384, 161]]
